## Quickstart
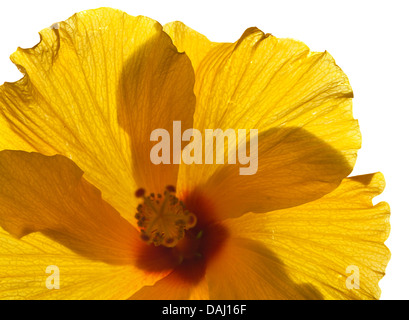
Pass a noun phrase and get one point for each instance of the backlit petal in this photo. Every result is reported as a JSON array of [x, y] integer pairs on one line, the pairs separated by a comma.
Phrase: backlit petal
[[262, 82], [247, 269], [320, 243], [294, 167], [23, 269], [172, 288], [156, 88], [76, 93], [196, 45], [49, 194]]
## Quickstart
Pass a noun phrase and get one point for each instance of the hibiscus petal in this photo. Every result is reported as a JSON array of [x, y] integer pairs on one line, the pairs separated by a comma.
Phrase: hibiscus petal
[[196, 45], [262, 82], [156, 89], [172, 288], [23, 269], [294, 167], [247, 269], [71, 100], [322, 243], [50, 195]]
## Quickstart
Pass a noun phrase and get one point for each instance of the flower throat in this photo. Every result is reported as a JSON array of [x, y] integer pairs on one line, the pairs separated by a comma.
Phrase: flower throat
[[163, 218]]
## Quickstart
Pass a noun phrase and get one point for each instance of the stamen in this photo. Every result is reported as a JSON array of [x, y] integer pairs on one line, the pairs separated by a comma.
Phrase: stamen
[[163, 219], [171, 188], [140, 193]]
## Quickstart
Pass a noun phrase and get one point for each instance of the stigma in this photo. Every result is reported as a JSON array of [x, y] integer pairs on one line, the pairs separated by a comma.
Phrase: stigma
[[163, 218]]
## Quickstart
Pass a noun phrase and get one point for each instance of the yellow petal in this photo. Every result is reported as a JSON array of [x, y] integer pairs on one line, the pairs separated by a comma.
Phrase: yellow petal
[[76, 92], [24, 274], [156, 89], [246, 269], [262, 82], [323, 243], [172, 288], [196, 45], [50, 195], [294, 167]]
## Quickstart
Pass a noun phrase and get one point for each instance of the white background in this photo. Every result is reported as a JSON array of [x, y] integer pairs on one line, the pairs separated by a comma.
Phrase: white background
[[368, 39]]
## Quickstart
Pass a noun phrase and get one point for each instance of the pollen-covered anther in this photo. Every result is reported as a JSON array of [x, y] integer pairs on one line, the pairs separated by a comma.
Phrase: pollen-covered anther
[[162, 218]]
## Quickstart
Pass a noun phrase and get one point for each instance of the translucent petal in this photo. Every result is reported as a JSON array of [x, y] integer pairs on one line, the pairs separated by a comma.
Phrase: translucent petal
[[24, 274], [321, 243], [94, 88], [266, 83]]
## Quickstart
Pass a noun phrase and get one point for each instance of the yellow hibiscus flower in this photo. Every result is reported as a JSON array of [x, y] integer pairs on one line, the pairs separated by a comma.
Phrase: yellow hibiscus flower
[[75, 140]]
